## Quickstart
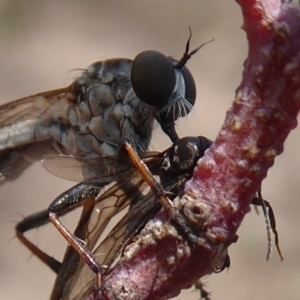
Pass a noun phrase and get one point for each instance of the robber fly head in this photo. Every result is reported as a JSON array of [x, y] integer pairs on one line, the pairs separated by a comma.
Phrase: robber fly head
[[164, 83]]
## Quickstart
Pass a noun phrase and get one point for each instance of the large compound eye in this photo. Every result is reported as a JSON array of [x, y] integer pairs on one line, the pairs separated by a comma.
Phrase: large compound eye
[[153, 78], [190, 86], [181, 108]]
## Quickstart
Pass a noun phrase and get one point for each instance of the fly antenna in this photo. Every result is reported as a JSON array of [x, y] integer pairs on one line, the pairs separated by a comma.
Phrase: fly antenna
[[187, 55]]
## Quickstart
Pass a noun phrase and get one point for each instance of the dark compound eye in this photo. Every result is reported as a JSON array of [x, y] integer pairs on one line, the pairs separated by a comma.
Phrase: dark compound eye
[[156, 81], [190, 86], [153, 77]]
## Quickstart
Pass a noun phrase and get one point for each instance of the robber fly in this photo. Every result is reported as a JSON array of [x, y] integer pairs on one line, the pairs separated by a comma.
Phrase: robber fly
[[111, 100], [173, 168]]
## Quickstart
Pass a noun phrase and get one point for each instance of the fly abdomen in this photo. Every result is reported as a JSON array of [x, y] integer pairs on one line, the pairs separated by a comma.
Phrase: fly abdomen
[[19, 134]]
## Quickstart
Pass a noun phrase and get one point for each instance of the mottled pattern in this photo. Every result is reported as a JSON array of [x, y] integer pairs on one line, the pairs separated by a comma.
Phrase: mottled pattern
[[88, 118]]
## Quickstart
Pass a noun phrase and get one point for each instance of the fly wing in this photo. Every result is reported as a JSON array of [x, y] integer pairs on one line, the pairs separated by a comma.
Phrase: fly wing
[[34, 106], [65, 167], [26, 121], [85, 169], [21, 141]]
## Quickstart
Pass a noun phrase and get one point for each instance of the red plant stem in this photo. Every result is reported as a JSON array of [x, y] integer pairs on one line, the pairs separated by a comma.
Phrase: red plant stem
[[161, 262], [262, 115]]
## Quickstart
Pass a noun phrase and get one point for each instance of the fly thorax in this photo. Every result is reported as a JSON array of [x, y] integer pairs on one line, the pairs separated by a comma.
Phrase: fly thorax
[[143, 114]]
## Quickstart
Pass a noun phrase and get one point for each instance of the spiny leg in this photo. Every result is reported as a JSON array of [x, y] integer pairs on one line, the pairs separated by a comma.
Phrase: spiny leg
[[71, 258], [81, 194], [160, 194], [78, 245], [34, 221], [64, 203]]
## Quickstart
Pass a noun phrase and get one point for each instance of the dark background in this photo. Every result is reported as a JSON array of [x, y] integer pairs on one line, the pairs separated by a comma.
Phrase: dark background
[[42, 42]]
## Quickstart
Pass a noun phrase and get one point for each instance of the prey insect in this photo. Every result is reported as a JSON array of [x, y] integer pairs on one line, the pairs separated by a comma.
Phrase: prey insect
[[173, 167]]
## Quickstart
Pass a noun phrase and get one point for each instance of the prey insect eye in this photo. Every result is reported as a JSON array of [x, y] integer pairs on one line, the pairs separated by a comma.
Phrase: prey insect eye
[[153, 77]]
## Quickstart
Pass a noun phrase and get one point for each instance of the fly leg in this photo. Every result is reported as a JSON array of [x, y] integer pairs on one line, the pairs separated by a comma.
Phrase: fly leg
[[78, 246], [160, 193], [66, 202], [75, 251], [270, 222], [34, 221], [71, 258]]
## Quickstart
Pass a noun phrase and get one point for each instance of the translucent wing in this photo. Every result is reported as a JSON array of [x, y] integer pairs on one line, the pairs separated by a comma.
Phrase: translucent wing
[[85, 169], [23, 134], [133, 191], [82, 169], [35, 106], [109, 249], [110, 203]]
